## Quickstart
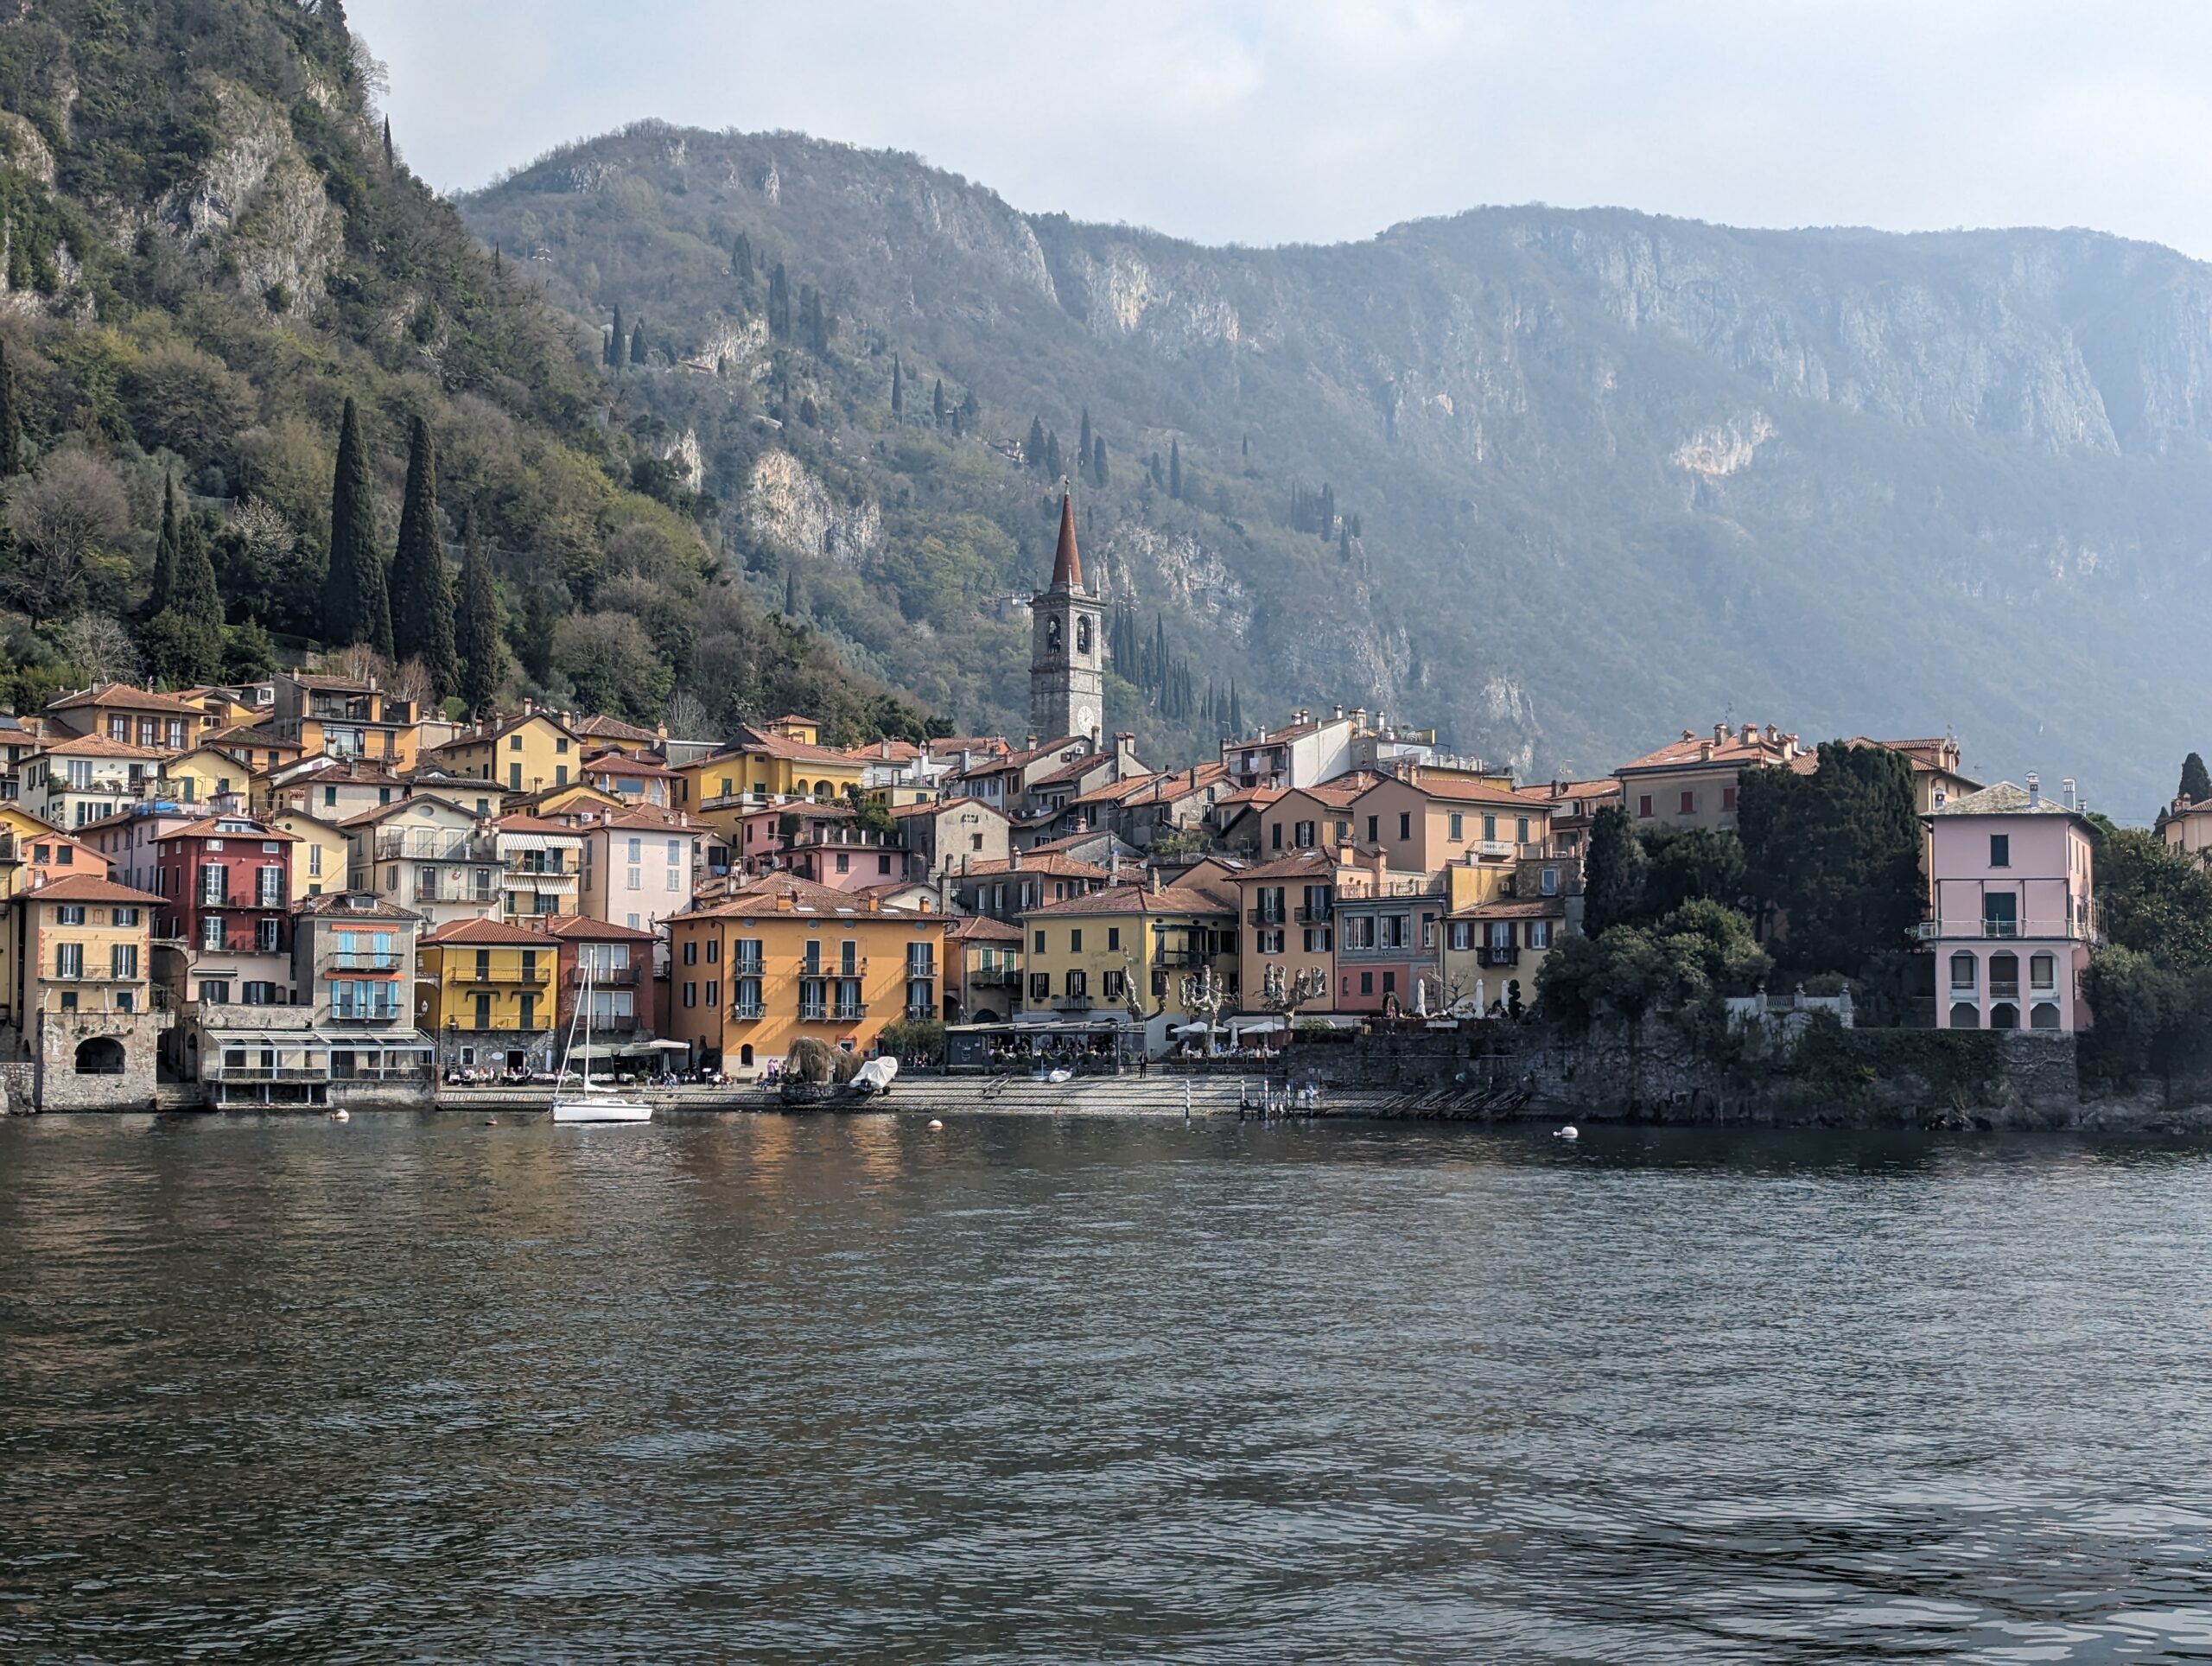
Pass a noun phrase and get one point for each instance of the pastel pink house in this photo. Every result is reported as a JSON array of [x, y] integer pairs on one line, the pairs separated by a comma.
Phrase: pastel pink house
[[2016, 911]]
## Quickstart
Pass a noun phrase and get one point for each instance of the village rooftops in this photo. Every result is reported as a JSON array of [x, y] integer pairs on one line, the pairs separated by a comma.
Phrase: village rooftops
[[582, 928], [90, 887], [487, 933], [1724, 748], [98, 746], [351, 905], [2004, 799], [229, 827], [127, 697], [1137, 898], [1050, 863], [982, 928], [613, 728], [786, 893]]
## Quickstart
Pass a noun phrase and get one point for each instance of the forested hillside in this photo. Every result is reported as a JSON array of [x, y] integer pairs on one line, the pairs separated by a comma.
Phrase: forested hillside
[[1562, 483], [212, 246]]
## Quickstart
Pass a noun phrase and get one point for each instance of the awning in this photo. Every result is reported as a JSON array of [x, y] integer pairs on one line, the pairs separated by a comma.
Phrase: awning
[[577, 1055], [524, 842], [669, 1047]]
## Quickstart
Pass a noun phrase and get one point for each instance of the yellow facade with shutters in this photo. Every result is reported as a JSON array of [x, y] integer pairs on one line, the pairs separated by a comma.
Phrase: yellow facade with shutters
[[469, 988], [318, 860], [529, 754]]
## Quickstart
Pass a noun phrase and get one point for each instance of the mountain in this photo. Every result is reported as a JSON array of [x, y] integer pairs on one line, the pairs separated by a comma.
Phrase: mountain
[[211, 244], [1559, 483]]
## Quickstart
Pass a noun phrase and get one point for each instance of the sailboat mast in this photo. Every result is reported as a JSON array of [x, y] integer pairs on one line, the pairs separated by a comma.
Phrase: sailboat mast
[[585, 956]]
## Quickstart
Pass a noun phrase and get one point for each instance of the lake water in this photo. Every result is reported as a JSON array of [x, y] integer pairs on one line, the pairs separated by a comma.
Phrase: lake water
[[770, 1389]]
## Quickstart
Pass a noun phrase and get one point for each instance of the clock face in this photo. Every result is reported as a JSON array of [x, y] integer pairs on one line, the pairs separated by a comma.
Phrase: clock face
[[1086, 720]]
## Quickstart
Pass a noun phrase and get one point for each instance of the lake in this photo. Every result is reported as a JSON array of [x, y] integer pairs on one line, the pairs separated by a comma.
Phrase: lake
[[762, 1389]]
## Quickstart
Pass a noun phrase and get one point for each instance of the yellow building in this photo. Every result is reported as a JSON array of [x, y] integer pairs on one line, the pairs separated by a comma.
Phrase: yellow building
[[531, 752], [783, 957], [259, 749], [134, 716], [319, 862], [484, 989], [204, 774], [1090, 953], [1692, 782], [79, 945], [763, 764]]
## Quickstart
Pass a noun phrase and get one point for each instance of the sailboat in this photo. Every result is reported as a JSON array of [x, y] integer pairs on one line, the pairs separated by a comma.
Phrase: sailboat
[[588, 1104]]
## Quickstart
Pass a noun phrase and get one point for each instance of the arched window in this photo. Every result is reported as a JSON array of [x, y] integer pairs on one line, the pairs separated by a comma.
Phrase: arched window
[[1965, 1015], [1963, 974], [2003, 1015], [2042, 972], [1082, 636], [101, 1055], [744, 1055], [1053, 633], [2044, 1015]]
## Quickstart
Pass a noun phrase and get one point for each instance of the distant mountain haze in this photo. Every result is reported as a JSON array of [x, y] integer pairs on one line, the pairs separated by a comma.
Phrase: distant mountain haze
[[1592, 477]]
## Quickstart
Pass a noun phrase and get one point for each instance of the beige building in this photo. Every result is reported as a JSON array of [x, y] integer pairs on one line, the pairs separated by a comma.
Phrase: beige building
[[1692, 782]]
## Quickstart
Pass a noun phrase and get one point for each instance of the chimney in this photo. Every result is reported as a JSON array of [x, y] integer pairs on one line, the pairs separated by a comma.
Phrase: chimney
[[1339, 711], [2035, 789], [2066, 786], [1720, 734], [1030, 744], [1704, 752], [1014, 858], [967, 760], [1158, 884], [1113, 867]]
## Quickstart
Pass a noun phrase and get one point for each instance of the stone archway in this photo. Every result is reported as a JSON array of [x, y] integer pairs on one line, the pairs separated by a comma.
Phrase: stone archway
[[101, 1055]]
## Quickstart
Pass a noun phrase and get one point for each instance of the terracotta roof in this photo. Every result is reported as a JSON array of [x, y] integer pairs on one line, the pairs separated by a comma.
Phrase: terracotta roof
[[1050, 863], [506, 726], [486, 933], [1517, 908], [1463, 790], [249, 735], [758, 896], [970, 927], [220, 827], [646, 820], [88, 887], [335, 685], [98, 746], [536, 824], [778, 746], [413, 801], [1252, 795], [1295, 865], [1135, 898], [953, 744], [1074, 769], [124, 694], [573, 928], [1696, 751], [938, 807], [620, 763]]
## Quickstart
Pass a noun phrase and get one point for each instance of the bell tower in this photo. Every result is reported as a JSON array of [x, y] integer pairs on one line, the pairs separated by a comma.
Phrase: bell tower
[[1067, 656]]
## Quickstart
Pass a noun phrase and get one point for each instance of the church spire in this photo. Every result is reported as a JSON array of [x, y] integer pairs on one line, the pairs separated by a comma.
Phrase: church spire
[[1067, 566]]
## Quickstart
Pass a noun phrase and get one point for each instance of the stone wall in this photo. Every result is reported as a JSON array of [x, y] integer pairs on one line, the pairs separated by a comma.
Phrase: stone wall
[[62, 1040], [18, 1096]]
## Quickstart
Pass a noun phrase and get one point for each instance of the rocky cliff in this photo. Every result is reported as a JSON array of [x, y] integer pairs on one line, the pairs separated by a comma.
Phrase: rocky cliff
[[1636, 472]]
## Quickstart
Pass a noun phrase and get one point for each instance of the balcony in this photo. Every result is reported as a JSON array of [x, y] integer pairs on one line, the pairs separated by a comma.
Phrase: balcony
[[1954, 929], [541, 881], [995, 978], [921, 968], [410, 845], [747, 967], [1488, 956], [453, 890], [368, 1014], [1072, 1004], [607, 977], [1180, 957], [1320, 916], [850, 1012], [1267, 919], [264, 1073], [1494, 847], [813, 1013], [747, 1011], [540, 975], [2004, 988], [819, 968], [94, 977], [342, 962]]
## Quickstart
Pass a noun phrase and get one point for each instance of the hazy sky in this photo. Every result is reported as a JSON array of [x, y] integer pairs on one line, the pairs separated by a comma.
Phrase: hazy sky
[[1266, 121]]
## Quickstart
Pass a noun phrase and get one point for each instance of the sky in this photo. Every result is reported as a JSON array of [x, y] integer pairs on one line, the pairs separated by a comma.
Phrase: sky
[[1275, 121]]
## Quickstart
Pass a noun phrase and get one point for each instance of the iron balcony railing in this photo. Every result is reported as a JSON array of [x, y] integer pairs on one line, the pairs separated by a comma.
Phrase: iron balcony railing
[[1491, 955], [1268, 917], [746, 1011], [995, 978], [1930, 931], [411, 846], [1319, 915], [361, 961], [523, 975], [368, 1014], [607, 977]]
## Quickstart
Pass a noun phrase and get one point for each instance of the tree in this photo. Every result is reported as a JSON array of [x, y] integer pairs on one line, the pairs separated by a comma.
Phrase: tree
[[2196, 781], [387, 142], [1032, 451], [637, 343], [356, 607], [70, 512], [790, 594], [1098, 461], [162, 589], [11, 420], [1689, 864], [422, 605], [1083, 444], [616, 339], [1612, 886], [477, 627], [779, 304], [936, 401], [1834, 856], [898, 390], [1175, 469]]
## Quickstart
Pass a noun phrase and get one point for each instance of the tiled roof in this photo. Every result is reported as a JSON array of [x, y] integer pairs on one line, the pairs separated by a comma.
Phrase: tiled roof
[[1050, 863], [413, 801], [88, 887], [618, 763], [2002, 799], [582, 928], [352, 905], [489, 933], [98, 746], [1340, 792], [759, 896], [1516, 908], [978, 927], [125, 695], [901, 812], [249, 735], [1696, 751], [778, 746], [536, 824], [228, 827], [612, 729], [1139, 899], [1295, 865]]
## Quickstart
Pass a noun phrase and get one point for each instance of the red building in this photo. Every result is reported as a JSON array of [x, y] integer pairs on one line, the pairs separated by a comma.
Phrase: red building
[[621, 963], [226, 883]]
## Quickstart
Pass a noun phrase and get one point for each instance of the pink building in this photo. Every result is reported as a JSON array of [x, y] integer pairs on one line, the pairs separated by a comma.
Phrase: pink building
[[2015, 911]]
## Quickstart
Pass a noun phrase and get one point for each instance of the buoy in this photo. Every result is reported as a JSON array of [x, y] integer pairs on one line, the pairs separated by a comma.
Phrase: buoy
[[1570, 1132], [491, 1122], [341, 1116], [935, 1124]]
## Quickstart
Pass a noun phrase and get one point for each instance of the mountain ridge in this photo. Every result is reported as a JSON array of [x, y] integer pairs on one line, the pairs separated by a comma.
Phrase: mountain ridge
[[1839, 478]]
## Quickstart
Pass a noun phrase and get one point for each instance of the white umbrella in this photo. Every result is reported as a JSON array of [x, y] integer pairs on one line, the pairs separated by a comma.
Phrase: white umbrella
[[670, 1046]]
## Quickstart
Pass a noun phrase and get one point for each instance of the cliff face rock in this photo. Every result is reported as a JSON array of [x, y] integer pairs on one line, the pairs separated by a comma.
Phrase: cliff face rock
[[1613, 473], [789, 509]]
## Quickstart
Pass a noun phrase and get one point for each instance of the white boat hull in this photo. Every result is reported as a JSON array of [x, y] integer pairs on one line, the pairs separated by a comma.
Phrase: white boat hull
[[602, 1111]]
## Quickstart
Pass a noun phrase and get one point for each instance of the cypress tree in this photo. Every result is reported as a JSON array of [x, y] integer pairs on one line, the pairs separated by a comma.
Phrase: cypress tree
[[1098, 461], [477, 629], [356, 606], [421, 613], [1032, 451], [779, 304], [964, 419], [2195, 783], [1344, 544], [637, 343], [11, 420], [387, 142], [740, 256], [1612, 886], [1175, 470], [1051, 456], [898, 390], [1082, 446], [1236, 710], [937, 401], [162, 591], [614, 341], [790, 594]]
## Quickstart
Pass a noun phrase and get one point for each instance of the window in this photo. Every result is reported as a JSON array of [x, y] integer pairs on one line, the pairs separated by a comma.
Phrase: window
[[266, 935], [1689, 804], [1117, 984], [1270, 942], [2001, 914], [1547, 882], [314, 861], [1367, 984], [713, 990], [1965, 1015], [1458, 827], [1373, 823], [2042, 972], [1966, 974], [1302, 835], [126, 917], [1540, 934], [1040, 986], [1041, 943], [2000, 850], [1405, 824], [1727, 798], [1079, 984], [1317, 939], [690, 995], [1463, 934], [514, 743], [260, 993], [691, 952], [1275, 836], [1075, 941], [1521, 829], [211, 933], [70, 913], [1112, 937], [214, 991], [1644, 805]]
